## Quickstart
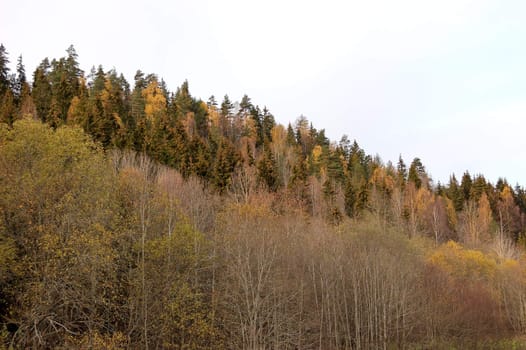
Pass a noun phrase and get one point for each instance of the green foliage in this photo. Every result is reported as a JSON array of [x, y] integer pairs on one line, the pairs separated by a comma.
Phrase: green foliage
[[98, 254], [417, 173], [5, 83]]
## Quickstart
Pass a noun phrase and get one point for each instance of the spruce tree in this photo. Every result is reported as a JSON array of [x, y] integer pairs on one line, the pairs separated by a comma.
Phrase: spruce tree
[[42, 95], [267, 170], [401, 170], [5, 82], [20, 80], [466, 186]]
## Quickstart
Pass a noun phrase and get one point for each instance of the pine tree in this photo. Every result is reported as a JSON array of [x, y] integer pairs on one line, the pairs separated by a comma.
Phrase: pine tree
[[245, 105], [417, 173], [211, 102], [226, 107]]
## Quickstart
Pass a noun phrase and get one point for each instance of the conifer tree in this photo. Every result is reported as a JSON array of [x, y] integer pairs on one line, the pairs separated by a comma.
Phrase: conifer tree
[[7, 108], [417, 173], [5, 82], [291, 138], [20, 81], [267, 171], [466, 186], [42, 90], [225, 163], [455, 194], [401, 172]]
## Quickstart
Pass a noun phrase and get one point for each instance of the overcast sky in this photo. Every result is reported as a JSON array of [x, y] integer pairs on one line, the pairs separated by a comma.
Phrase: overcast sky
[[441, 80]]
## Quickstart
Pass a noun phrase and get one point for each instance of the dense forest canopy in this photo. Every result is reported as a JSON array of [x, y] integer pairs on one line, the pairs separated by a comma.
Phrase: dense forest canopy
[[136, 217]]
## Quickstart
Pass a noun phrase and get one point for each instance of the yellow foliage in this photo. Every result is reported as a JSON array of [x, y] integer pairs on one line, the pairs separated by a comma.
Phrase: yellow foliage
[[155, 101], [451, 213], [382, 180], [113, 341], [463, 264], [316, 153]]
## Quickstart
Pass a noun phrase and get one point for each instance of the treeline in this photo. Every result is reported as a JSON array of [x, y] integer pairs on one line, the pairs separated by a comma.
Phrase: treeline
[[140, 218]]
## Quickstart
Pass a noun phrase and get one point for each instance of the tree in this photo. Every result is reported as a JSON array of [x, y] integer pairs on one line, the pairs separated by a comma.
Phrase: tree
[[225, 163], [267, 170], [417, 174], [20, 81], [5, 83], [455, 194], [42, 90], [401, 172], [7, 108], [56, 194], [466, 186]]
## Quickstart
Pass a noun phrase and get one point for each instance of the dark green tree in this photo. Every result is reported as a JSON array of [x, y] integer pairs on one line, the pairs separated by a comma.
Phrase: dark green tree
[[401, 171], [20, 81], [455, 194], [417, 173], [267, 170], [42, 94], [291, 138], [466, 185], [226, 107], [267, 123], [5, 81], [226, 160]]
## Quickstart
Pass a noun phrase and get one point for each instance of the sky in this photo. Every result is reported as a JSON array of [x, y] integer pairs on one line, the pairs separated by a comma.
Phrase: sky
[[444, 81]]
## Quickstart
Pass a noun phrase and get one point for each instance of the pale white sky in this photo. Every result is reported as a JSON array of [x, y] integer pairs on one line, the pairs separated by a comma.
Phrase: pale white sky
[[441, 80]]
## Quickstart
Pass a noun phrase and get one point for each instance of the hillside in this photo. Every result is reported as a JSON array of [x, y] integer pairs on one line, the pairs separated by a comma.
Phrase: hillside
[[136, 217]]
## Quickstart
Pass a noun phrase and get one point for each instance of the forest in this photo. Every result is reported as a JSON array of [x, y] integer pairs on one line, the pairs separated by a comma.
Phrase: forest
[[132, 217]]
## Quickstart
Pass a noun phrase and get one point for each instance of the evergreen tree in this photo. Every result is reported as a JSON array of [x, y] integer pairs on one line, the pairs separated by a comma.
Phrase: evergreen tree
[[137, 115], [267, 170], [466, 186], [245, 105], [7, 108], [401, 170], [65, 77], [345, 146], [334, 165], [20, 81], [225, 163], [417, 173], [267, 123], [291, 138], [211, 102], [5, 83], [255, 115], [183, 100], [455, 194], [42, 95], [350, 199], [200, 118], [226, 107]]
